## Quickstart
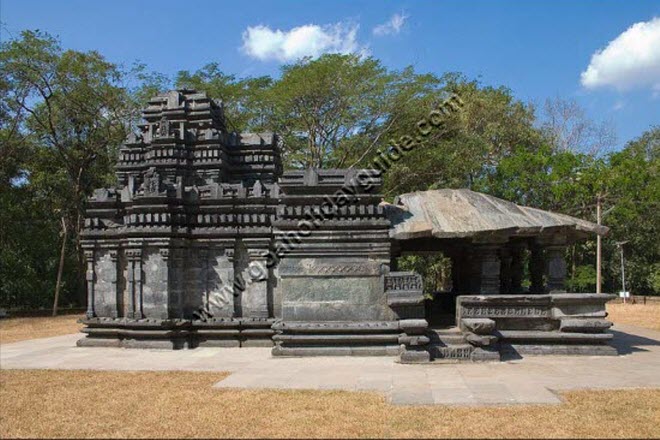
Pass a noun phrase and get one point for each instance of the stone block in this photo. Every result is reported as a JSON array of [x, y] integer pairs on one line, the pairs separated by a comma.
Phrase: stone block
[[479, 326], [481, 340], [414, 356], [485, 354], [587, 325]]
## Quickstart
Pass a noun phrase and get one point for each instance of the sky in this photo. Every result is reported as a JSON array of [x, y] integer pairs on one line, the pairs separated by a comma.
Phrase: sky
[[603, 54]]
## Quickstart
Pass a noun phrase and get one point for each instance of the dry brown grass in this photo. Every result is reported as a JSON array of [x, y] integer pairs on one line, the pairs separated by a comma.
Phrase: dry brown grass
[[52, 403], [19, 329], [641, 315]]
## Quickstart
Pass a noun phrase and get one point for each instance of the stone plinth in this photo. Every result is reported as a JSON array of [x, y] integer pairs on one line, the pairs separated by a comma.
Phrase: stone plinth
[[564, 323]]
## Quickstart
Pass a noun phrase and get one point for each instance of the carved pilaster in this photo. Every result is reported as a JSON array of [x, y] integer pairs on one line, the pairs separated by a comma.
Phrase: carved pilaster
[[203, 261], [255, 299], [114, 280], [134, 279], [90, 279], [177, 280]]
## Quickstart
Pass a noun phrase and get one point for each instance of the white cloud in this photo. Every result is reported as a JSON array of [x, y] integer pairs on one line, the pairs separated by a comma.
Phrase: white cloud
[[619, 105], [631, 60], [263, 43], [391, 27]]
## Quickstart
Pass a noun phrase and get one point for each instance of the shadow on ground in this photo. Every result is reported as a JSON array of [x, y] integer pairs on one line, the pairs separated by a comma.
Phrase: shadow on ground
[[626, 343]]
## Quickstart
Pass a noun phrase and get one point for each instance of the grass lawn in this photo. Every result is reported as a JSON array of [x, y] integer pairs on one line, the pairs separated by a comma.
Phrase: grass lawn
[[54, 403], [19, 329], [641, 315], [183, 404]]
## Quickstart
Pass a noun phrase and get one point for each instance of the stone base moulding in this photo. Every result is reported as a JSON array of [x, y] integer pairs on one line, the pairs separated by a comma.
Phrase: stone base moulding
[[380, 338], [176, 333]]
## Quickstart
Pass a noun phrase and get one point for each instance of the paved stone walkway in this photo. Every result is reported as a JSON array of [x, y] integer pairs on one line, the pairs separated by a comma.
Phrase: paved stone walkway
[[526, 381]]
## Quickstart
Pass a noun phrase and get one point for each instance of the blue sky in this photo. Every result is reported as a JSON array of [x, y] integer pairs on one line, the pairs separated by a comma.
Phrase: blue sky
[[538, 49]]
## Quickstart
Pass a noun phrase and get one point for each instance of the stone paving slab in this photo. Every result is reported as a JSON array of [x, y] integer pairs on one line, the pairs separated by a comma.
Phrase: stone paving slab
[[532, 380]]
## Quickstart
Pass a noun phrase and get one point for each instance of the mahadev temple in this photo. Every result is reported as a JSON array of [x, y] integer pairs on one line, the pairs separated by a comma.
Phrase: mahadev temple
[[206, 241]]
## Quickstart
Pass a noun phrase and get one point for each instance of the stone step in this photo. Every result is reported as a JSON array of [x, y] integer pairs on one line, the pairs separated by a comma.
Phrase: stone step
[[446, 337]]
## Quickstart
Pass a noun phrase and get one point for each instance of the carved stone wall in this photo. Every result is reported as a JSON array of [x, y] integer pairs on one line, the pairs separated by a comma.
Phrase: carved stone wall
[[205, 241], [335, 246]]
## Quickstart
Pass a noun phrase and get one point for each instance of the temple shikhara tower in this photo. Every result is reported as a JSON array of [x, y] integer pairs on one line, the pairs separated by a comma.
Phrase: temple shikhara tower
[[206, 241]]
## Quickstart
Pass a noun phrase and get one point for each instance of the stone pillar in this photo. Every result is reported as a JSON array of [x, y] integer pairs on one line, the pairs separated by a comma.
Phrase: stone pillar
[[505, 270], [471, 272], [516, 249], [90, 278], [489, 268], [177, 281], [455, 273], [555, 266], [134, 279], [203, 276], [536, 268]]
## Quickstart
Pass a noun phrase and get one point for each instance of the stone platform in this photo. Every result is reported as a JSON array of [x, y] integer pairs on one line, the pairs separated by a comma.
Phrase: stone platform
[[532, 380]]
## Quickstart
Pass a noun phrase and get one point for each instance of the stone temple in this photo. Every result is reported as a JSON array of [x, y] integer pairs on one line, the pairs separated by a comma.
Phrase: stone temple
[[207, 241]]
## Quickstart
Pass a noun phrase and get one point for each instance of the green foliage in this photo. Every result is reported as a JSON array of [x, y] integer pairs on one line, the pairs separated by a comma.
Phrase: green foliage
[[583, 279], [64, 115], [436, 270], [633, 192], [491, 125], [29, 245]]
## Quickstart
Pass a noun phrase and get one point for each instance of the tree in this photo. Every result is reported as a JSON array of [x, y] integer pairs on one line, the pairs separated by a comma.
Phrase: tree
[[70, 107], [468, 146], [332, 110], [568, 128], [634, 188]]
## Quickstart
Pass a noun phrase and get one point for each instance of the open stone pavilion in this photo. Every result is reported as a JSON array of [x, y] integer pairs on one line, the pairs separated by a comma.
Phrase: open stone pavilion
[[207, 242]]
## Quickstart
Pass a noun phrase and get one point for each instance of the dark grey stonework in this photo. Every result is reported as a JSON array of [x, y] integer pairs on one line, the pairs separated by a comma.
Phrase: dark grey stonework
[[205, 241], [564, 323]]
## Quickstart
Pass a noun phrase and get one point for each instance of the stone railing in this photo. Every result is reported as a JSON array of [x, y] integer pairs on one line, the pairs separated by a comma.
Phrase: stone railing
[[405, 294], [561, 323]]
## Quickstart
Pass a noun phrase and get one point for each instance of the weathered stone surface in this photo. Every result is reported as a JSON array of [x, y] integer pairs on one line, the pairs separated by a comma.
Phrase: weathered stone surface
[[485, 354], [556, 321], [376, 350], [557, 350], [481, 340], [461, 213], [409, 356], [483, 326], [584, 325], [555, 337]]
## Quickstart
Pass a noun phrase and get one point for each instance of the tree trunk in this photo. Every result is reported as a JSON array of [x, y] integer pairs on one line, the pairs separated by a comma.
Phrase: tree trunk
[[60, 269]]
